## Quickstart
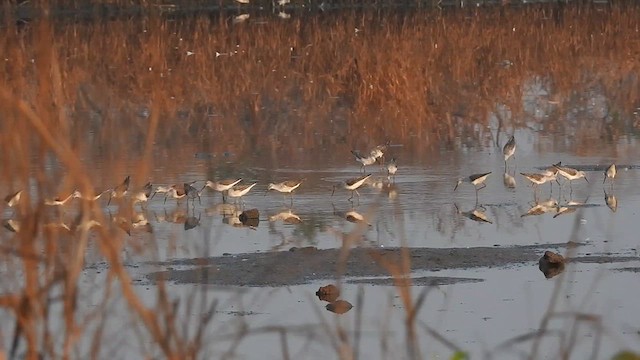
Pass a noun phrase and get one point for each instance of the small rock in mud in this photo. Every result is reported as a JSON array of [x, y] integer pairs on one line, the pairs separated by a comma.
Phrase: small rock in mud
[[339, 306], [551, 264], [328, 293]]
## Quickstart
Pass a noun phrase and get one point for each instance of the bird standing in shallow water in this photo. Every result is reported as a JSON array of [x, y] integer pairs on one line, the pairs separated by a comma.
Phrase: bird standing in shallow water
[[509, 149], [240, 191], [285, 187], [570, 173], [221, 186], [143, 195], [392, 168], [352, 185], [475, 180], [610, 173], [120, 190], [364, 160], [59, 201]]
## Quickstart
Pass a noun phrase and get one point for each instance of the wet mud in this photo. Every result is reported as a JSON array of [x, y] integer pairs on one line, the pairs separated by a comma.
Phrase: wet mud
[[305, 265]]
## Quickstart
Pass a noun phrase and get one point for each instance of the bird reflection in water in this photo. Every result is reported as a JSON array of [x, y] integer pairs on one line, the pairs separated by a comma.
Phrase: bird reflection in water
[[610, 200], [286, 216], [542, 207], [509, 181], [476, 214]]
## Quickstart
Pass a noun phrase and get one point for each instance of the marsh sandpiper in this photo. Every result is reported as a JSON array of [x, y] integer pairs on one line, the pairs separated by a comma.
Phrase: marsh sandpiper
[[509, 149], [475, 180], [570, 173], [352, 185], [364, 160], [240, 191]]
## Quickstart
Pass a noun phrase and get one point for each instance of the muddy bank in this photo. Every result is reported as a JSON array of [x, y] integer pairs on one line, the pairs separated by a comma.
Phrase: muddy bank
[[300, 266]]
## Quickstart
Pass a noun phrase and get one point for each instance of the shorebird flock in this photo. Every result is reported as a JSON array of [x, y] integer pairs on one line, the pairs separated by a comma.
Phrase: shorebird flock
[[235, 188], [550, 174]]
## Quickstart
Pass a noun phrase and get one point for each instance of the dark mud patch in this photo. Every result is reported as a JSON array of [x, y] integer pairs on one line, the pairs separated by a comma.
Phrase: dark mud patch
[[628, 269], [300, 266], [420, 281]]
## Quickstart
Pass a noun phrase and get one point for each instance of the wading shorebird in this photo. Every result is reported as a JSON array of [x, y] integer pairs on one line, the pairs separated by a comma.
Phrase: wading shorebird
[[13, 199], [378, 151], [240, 191], [95, 197], [610, 173], [120, 190], [539, 179], [60, 201], [221, 185], [175, 191], [285, 187], [392, 168], [570, 173], [191, 192], [352, 185], [364, 160], [143, 195], [509, 149], [475, 180]]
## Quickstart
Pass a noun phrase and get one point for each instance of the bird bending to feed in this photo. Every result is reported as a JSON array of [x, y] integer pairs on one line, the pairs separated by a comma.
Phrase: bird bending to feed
[[240, 191], [285, 187], [352, 185], [538, 179], [143, 195], [120, 190], [13, 199], [570, 173], [610, 173], [191, 192], [364, 160], [475, 180], [222, 185], [175, 191], [59, 201], [509, 149], [95, 197]]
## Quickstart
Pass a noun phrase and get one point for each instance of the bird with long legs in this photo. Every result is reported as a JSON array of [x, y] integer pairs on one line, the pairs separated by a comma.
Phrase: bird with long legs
[[221, 186], [538, 179], [352, 185], [142, 196], [475, 180], [238, 192], [58, 201], [509, 150], [364, 160], [121, 190], [571, 174], [192, 193], [285, 187]]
